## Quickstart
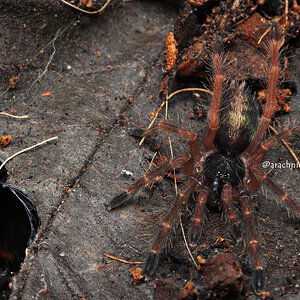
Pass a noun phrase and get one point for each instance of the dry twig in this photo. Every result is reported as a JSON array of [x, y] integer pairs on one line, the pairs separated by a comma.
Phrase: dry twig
[[186, 243], [86, 11], [122, 260], [13, 116], [25, 150]]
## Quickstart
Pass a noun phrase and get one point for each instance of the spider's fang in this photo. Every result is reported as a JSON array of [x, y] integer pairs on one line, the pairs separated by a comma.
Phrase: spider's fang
[[216, 185]]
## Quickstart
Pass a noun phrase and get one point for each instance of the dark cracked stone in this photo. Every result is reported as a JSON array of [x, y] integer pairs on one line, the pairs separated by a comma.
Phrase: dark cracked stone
[[103, 74]]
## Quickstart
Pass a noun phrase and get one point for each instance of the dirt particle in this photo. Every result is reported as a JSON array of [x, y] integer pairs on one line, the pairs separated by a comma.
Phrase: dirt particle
[[264, 295], [12, 81], [136, 274], [171, 51], [47, 94], [222, 276], [152, 115], [188, 291], [5, 140]]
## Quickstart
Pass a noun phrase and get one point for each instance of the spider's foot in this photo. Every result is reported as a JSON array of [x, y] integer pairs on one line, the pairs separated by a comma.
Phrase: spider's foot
[[136, 132], [259, 280], [117, 201], [150, 265], [235, 232], [150, 131], [194, 236], [177, 258]]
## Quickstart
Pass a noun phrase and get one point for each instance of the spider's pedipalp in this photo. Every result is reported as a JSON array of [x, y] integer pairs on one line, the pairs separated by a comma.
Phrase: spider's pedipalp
[[255, 177], [195, 229], [148, 177], [167, 127], [194, 145], [229, 209], [165, 229], [259, 276]]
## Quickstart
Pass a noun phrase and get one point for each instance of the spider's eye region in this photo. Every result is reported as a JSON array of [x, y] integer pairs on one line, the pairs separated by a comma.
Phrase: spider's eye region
[[224, 168], [223, 176]]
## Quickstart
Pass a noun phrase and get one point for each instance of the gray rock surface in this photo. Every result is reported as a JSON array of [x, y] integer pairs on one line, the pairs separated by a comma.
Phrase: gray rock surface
[[103, 73]]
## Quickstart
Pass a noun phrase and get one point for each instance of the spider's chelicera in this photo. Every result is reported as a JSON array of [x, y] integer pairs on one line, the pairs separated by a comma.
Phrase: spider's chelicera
[[226, 164]]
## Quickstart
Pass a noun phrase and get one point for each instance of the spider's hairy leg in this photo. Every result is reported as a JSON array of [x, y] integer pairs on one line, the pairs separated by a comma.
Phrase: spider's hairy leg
[[255, 177], [217, 88], [168, 127], [265, 146], [194, 145], [260, 177], [148, 177], [195, 229], [165, 230], [259, 276], [273, 49], [229, 209], [291, 204]]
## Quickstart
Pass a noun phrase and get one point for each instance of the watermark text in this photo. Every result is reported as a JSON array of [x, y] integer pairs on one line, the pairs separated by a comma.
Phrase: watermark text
[[280, 165]]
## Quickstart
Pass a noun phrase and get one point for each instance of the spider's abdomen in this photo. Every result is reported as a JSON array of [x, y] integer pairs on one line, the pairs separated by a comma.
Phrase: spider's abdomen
[[238, 120], [224, 168]]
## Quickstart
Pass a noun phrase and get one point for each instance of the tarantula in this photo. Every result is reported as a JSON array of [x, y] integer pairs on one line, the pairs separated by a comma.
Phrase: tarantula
[[226, 164]]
